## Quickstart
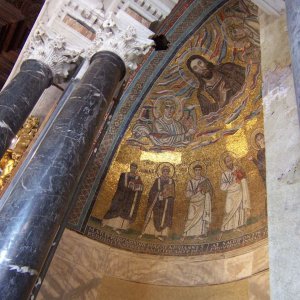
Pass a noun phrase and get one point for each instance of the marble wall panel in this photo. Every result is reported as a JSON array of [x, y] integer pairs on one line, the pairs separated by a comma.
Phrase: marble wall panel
[[259, 287], [115, 289], [80, 264]]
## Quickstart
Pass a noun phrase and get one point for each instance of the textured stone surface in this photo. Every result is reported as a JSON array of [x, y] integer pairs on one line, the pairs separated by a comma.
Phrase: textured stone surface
[[116, 289], [258, 288], [47, 103], [293, 23], [19, 97], [85, 262], [36, 205], [282, 136]]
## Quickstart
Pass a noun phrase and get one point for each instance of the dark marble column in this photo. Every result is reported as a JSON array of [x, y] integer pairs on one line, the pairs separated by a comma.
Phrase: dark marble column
[[293, 21], [19, 97], [35, 209]]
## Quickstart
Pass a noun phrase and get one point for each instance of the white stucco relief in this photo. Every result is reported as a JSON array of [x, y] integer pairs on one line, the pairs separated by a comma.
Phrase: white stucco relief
[[79, 28], [53, 51]]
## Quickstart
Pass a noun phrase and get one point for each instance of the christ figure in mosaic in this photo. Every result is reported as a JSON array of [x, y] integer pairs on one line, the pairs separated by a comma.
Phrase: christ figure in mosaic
[[221, 82]]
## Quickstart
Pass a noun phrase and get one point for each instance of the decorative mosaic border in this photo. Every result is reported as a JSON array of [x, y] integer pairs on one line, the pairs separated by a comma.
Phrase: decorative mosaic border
[[140, 83], [193, 17], [172, 249]]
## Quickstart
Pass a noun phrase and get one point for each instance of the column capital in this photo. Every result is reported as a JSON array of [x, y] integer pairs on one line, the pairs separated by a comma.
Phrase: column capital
[[117, 36], [52, 49], [74, 29]]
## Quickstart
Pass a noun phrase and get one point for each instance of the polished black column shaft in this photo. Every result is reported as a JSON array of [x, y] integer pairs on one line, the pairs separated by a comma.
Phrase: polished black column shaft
[[293, 22], [34, 211], [19, 97]]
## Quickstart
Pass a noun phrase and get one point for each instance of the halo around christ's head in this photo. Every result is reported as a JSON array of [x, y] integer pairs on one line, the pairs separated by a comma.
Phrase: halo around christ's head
[[183, 69]]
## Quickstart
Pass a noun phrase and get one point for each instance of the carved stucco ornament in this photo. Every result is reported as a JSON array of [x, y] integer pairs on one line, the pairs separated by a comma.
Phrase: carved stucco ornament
[[52, 49], [125, 42], [115, 31]]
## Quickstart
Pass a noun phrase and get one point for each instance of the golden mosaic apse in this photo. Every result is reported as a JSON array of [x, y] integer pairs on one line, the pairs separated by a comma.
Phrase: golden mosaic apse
[[189, 174]]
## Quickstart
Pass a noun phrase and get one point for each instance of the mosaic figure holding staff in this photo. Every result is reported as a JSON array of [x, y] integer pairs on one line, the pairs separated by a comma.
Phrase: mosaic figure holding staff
[[126, 201], [160, 205]]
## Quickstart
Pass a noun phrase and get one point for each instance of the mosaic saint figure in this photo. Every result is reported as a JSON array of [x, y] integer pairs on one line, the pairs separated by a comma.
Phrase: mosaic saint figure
[[234, 183], [167, 131], [260, 160], [159, 213], [126, 201], [199, 192], [221, 82]]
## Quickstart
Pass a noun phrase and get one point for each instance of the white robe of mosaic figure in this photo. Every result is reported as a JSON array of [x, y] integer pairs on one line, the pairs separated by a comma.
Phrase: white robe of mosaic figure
[[169, 132], [199, 214], [237, 203]]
